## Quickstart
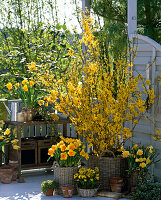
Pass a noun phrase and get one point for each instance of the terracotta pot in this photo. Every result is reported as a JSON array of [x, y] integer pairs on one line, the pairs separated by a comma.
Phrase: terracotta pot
[[67, 191], [64, 176], [14, 164], [50, 192], [116, 184], [6, 173]]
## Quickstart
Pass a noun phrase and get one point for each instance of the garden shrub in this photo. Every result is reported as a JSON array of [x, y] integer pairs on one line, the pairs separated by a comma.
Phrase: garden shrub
[[148, 191]]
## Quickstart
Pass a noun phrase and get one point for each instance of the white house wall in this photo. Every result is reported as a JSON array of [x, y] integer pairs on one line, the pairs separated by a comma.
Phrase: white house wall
[[149, 56]]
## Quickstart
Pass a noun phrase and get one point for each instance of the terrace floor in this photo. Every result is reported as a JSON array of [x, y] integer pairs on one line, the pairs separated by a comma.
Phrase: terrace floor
[[31, 189]]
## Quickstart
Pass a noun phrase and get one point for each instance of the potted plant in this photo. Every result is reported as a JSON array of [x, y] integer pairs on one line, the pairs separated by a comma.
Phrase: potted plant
[[6, 138], [67, 154], [48, 187], [67, 190], [28, 91], [139, 158], [87, 181]]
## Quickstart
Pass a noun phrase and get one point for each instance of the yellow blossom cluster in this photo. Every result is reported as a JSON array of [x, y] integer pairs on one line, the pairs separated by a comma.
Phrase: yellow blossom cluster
[[139, 158], [32, 66], [104, 98], [5, 137], [28, 89], [87, 178], [68, 152]]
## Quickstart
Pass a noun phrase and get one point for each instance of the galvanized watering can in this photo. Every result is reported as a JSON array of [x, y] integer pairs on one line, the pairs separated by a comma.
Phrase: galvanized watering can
[[14, 108]]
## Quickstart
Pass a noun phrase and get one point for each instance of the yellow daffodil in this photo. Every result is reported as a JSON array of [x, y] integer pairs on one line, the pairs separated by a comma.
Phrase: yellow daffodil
[[143, 165], [25, 88], [140, 152], [9, 86], [125, 154]]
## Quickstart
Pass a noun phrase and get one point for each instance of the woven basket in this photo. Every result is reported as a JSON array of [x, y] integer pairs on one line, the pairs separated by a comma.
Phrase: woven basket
[[64, 176], [87, 192], [108, 167]]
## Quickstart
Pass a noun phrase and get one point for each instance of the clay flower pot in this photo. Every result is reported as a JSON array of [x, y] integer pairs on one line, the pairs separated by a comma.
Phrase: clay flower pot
[[67, 191], [14, 164], [6, 173], [116, 184], [50, 192]]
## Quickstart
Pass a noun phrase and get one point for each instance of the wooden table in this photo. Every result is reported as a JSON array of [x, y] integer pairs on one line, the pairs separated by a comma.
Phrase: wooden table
[[19, 126]]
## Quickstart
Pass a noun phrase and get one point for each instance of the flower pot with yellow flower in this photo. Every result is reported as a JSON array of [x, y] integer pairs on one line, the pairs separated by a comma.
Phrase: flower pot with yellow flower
[[139, 158], [7, 171], [67, 153], [28, 91], [87, 181]]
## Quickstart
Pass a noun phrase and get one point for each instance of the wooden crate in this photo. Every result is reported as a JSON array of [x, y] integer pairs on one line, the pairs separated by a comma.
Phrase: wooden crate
[[43, 146], [29, 153]]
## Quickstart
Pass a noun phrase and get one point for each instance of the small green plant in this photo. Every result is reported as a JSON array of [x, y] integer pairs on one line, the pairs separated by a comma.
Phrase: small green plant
[[147, 191], [48, 185]]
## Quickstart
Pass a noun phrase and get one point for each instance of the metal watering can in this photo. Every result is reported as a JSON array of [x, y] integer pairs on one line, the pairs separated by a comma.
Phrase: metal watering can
[[14, 108]]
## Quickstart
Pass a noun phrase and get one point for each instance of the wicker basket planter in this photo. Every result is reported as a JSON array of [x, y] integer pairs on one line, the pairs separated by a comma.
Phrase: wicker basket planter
[[109, 167], [64, 176], [87, 192]]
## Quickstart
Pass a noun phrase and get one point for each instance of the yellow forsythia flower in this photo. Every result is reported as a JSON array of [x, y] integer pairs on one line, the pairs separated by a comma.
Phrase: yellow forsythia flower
[[70, 52], [9, 86], [32, 67]]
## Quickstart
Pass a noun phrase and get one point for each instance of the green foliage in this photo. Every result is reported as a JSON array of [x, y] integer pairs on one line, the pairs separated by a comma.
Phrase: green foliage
[[28, 35], [48, 184], [148, 191], [114, 13], [149, 18]]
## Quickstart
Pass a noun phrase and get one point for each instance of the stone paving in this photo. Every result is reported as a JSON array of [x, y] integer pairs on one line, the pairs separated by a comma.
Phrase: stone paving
[[31, 190]]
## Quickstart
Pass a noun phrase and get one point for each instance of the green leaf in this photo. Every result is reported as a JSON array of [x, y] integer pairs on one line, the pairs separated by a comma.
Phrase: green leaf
[[58, 26]]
